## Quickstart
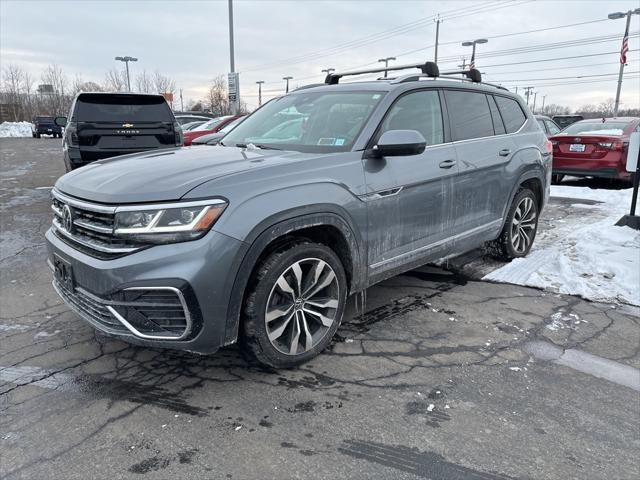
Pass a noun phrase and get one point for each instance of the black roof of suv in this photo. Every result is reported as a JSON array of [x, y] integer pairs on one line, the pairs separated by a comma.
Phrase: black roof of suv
[[103, 125]]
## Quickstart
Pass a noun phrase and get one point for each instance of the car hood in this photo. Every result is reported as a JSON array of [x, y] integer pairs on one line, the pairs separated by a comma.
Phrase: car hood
[[163, 176]]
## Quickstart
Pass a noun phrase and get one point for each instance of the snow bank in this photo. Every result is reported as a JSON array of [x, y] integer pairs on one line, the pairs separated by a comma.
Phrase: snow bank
[[15, 129], [596, 260]]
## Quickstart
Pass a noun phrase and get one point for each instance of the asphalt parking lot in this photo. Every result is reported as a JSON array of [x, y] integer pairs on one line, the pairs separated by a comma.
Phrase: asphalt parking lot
[[443, 377]]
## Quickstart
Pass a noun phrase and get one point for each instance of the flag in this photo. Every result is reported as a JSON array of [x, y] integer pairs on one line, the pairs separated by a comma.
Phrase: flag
[[625, 47]]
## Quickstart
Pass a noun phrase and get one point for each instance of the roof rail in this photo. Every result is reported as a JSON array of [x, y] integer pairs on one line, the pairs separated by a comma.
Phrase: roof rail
[[427, 68], [310, 85], [413, 78]]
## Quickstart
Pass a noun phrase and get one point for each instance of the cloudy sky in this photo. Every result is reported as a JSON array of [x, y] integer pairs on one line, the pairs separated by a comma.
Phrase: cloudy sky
[[188, 40]]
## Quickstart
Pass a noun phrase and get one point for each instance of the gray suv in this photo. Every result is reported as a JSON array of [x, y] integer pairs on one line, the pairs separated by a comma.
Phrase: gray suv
[[314, 197]]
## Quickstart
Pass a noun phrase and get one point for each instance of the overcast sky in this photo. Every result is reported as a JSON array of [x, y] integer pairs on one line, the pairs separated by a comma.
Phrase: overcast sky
[[188, 40]]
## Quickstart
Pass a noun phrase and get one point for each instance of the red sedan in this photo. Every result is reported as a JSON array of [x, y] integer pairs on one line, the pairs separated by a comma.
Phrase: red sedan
[[212, 126], [594, 148]]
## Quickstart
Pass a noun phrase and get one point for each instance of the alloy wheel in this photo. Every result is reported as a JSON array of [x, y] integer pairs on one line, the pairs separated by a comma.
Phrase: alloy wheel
[[523, 225], [302, 306]]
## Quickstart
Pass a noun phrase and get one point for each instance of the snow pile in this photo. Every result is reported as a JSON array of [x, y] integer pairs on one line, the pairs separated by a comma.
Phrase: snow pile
[[595, 260], [15, 129]]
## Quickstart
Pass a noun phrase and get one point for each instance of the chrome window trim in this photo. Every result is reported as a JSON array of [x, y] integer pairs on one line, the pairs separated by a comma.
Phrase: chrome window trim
[[466, 233], [139, 334]]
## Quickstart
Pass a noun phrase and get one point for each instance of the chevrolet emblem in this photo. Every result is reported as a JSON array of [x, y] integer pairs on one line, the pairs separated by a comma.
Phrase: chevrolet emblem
[[127, 125]]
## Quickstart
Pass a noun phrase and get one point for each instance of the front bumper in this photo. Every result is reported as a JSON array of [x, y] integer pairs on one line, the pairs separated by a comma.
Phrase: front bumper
[[202, 271]]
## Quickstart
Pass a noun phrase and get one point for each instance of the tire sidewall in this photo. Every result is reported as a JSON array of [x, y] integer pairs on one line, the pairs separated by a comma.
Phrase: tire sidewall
[[264, 287]]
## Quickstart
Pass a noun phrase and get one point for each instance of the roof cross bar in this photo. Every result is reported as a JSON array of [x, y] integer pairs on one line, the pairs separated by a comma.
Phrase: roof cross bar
[[428, 68]]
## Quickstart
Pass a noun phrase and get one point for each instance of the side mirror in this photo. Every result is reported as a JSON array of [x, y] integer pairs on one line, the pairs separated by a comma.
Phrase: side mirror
[[60, 121], [400, 143]]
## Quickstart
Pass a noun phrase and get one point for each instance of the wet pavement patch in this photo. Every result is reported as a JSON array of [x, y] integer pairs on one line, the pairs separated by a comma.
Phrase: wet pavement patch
[[411, 460]]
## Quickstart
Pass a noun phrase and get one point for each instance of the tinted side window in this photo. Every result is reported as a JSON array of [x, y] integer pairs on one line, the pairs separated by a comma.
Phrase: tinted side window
[[512, 113], [469, 115], [498, 125], [552, 127], [417, 111]]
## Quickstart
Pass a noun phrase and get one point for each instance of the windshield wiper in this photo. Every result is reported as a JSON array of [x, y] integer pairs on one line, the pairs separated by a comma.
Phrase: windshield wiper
[[257, 145]]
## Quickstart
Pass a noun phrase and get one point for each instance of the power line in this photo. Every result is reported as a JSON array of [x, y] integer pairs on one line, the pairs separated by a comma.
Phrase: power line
[[560, 78], [383, 35]]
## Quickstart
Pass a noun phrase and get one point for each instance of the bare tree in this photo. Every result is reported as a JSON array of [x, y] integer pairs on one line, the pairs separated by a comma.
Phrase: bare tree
[[217, 96], [12, 83], [58, 100], [163, 84], [144, 82], [115, 80]]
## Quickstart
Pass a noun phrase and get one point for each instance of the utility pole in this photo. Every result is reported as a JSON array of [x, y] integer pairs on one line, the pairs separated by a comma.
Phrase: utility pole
[[260, 82], [535, 95], [544, 97], [435, 56], [464, 63], [386, 63], [233, 76], [126, 61], [181, 102], [516, 89], [527, 92], [287, 80], [623, 51]]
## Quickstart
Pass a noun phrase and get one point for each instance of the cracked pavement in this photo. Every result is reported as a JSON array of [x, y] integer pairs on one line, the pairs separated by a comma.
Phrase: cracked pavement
[[435, 380]]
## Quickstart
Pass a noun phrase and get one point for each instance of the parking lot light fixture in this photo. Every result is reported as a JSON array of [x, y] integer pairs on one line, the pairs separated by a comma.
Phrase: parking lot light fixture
[[126, 61], [623, 50], [386, 63], [287, 80], [328, 70], [472, 63]]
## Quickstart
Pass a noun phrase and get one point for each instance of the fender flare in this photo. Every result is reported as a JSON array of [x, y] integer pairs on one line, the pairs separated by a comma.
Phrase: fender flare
[[279, 226], [535, 172]]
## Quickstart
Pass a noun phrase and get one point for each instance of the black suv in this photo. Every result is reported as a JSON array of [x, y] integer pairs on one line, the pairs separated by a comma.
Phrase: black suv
[[45, 126], [103, 125]]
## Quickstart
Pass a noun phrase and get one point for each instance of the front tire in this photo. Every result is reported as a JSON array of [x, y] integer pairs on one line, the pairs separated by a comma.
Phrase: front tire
[[294, 304], [520, 228]]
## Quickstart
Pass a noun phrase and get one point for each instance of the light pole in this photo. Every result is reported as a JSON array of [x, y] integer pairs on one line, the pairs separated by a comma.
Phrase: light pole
[[126, 61], [287, 80], [435, 55], [623, 50], [386, 63], [472, 63], [260, 82]]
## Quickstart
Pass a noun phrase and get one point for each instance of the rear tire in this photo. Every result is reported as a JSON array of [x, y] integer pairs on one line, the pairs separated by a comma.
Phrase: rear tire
[[293, 305], [520, 227], [37, 135]]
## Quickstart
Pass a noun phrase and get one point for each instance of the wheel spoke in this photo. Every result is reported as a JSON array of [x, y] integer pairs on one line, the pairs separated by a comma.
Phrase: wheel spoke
[[525, 238], [277, 333], [297, 274], [314, 275], [326, 321], [295, 336], [308, 338], [285, 287], [277, 312], [323, 303], [324, 283]]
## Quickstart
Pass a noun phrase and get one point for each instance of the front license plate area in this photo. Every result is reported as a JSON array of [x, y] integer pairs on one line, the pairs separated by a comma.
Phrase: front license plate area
[[63, 273], [576, 147]]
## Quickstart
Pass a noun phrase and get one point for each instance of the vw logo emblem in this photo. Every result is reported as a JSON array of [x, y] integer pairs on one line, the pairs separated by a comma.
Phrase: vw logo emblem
[[577, 139], [67, 219]]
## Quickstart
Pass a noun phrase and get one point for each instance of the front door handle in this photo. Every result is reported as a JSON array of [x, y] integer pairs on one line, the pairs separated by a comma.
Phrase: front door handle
[[447, 163], [505, 152]]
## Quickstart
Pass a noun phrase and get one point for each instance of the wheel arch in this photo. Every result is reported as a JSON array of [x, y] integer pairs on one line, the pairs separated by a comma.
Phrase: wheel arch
[[322, 225]]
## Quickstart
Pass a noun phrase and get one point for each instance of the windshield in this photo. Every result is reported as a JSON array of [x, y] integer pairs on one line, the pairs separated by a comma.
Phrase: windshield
[[592, 128], [209, 125], [307, 122]]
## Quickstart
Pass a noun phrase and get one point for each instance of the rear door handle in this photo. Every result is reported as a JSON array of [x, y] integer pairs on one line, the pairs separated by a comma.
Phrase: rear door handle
[[447, 163], [505, 152]]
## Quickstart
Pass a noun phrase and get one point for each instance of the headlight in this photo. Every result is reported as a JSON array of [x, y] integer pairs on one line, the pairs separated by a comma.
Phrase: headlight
[[167, 223]]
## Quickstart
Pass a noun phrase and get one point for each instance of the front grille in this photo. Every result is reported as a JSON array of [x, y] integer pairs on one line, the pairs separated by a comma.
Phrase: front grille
[[90, 308], [151, 313], [88, 227]]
